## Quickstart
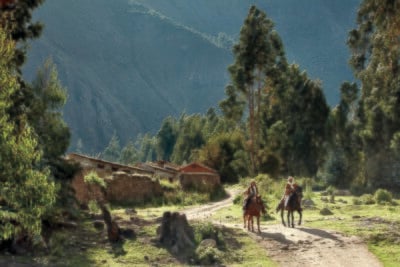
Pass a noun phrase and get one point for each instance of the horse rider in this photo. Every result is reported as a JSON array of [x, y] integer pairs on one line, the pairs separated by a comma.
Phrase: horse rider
[[251, 192], [290, 188]]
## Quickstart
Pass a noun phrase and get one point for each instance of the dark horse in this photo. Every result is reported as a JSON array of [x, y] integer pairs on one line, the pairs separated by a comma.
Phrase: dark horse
[[254, 208], [294, 204]]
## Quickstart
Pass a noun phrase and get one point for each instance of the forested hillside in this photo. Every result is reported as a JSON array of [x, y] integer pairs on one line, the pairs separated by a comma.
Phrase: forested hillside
[[129, 64]]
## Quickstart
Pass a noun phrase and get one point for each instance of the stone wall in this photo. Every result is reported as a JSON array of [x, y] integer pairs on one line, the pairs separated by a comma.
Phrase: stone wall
[[205, 182], [121, 187]]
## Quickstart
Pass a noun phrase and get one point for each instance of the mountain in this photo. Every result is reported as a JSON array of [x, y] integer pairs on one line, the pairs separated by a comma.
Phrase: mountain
[[128, 64]]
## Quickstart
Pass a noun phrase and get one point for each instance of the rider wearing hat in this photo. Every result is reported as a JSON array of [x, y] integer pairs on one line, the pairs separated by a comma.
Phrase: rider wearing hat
[[251, 192]]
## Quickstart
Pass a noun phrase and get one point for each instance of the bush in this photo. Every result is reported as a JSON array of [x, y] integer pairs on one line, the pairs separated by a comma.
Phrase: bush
[[367, 199], [357, 201], [208, 255], [383, 196], [204, 231]]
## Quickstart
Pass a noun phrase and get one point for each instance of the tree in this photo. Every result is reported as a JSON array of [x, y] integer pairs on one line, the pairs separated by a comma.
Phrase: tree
[[16, 17], [224, 153], [26, 192], [113, 150], [344, 144], [375, 60], [129, 154], [190, 138], [45, 113], [166, 138], [257, 53], [294, 121]]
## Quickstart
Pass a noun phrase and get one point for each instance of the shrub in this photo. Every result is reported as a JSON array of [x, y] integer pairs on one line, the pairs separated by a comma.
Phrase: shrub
[[92, 178], [383, 196], [205, 230], [356, 201], [208, 255], [367, 199]]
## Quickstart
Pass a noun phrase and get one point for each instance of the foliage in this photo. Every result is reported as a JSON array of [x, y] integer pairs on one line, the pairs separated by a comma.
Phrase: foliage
[[365, 199], [256, 57], [375, 61], [92, 178], [18, 21], [166, 138], [113, 150], [45, 112], [129, 154], [222, 152], [204, 231], [383, 196], [26, 192], [208, 255]]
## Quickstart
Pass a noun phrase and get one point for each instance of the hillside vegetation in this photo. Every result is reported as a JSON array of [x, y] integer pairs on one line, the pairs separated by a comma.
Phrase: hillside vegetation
[[129, 64]]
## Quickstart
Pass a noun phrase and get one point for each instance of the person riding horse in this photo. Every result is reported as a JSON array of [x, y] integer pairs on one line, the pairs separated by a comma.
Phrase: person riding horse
[[251, 192], [290, 188]]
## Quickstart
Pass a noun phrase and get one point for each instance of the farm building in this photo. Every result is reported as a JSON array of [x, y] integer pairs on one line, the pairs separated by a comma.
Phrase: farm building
[[198, 176], [124, 183]]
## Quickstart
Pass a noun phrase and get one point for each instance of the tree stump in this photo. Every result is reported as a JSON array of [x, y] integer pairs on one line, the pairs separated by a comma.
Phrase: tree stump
[[175, 232]]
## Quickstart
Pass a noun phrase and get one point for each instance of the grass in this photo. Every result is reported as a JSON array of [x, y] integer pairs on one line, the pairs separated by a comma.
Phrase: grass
[[378, 225]]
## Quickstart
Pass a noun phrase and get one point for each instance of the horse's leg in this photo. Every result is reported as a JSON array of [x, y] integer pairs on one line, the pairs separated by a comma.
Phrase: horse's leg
[[258, 223], [292, 215], [244, 220], [283, 219], [288, 218], [300, 216], [252, 224]]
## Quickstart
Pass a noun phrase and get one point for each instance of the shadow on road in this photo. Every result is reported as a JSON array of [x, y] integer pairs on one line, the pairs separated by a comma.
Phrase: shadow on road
[[277, 237], [320, 233]]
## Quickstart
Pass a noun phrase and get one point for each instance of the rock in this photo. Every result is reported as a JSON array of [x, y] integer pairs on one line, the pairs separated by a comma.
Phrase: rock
[[308, 203], [325, 211]]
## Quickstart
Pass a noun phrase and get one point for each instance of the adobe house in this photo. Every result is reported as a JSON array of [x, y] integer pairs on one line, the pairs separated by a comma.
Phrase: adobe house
[[199, 177], [161, 169], [124, 183]]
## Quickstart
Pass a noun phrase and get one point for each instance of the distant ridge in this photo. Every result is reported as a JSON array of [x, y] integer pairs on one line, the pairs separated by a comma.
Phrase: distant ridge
[[128, 64]]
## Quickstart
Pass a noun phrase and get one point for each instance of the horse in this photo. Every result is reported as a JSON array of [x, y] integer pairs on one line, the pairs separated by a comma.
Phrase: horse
[[294, 204], [254, 208]]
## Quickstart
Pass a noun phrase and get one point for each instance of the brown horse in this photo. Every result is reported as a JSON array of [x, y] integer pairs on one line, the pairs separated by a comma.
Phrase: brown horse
[[294, 204], [254, 208]]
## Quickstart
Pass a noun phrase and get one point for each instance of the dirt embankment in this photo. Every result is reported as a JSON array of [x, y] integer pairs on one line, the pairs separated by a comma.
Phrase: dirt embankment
[[301, 246]]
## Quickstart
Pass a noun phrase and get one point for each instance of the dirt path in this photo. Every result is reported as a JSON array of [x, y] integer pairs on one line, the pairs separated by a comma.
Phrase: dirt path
[[301, 246]]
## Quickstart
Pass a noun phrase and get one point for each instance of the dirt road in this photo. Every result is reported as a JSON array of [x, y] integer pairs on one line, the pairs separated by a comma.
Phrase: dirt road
[[301, 246]]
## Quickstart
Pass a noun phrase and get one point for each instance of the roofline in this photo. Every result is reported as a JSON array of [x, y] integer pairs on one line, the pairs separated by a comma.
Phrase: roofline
[[109, 162]]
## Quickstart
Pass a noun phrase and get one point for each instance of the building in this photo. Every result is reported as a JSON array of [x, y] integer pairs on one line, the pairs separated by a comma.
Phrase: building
[[124, 183], [199, 177]]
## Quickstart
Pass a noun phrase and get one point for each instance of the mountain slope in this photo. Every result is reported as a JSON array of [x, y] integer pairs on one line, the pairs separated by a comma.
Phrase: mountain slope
[[127, 64], [126, 70]]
